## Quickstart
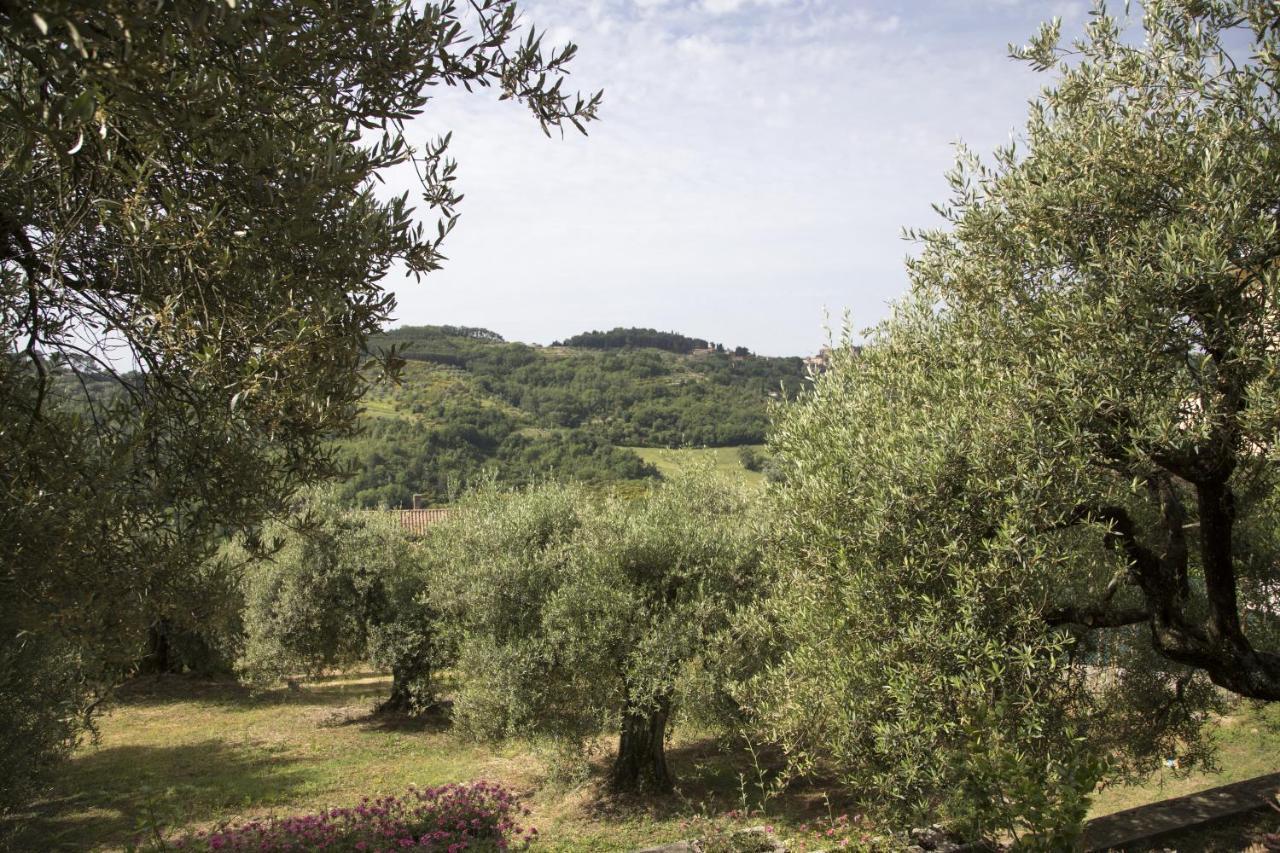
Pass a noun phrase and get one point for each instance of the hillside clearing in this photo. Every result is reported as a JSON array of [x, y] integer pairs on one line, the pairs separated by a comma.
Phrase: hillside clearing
[[723, 460]]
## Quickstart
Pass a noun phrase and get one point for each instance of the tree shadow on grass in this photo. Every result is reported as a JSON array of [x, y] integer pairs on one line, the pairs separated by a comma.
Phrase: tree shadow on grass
[[109, 796], [714, 779], [338, 691], [434, 720]]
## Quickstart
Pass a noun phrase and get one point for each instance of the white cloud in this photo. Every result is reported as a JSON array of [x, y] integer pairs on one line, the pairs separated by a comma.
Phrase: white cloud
[[724, 7], [700, 48], [749, 169]]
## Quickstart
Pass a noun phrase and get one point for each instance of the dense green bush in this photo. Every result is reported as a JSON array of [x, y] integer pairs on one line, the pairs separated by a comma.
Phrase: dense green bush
[[915, 663], [42, 705], [577, 617], [751, 458], [341, 588]]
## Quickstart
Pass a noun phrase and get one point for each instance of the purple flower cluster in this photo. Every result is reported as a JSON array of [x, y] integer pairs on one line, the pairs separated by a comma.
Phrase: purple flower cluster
[[474, 816]]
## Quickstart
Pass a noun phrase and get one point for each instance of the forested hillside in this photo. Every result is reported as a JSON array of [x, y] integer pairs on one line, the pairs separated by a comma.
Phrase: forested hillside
[[470, 402]]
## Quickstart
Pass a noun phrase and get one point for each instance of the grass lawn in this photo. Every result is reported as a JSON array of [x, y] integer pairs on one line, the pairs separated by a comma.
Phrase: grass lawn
[[723, 460], [190, 754], [1249, 745]]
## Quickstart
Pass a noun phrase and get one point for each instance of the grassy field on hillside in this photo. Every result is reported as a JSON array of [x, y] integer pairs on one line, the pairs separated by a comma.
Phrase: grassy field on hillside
[[190, 754], [723, 460]]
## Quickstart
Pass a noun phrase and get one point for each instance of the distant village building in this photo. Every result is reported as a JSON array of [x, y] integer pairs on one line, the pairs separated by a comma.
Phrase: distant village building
[[820, 362], [416, 521]]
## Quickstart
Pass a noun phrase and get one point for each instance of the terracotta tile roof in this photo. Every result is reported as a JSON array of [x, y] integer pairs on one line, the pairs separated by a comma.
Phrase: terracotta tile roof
[[416, 521]]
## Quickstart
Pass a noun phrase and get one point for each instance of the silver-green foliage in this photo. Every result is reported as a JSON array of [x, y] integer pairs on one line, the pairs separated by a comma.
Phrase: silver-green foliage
[[341, 588], [579, 615], [1027, 531], [915, 660], [192, 248]]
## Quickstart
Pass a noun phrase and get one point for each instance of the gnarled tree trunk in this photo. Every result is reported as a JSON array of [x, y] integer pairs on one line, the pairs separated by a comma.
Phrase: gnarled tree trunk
[[641, 764], [402, 700]]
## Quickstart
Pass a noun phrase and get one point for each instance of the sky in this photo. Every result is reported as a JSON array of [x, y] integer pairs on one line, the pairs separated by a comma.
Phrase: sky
[[750, 176]]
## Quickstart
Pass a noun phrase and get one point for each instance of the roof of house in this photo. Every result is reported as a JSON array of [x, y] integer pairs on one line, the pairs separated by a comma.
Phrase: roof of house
[[416, 521]]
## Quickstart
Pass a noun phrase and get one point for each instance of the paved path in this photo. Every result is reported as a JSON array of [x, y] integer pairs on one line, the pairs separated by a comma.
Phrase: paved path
[[1144, 822]]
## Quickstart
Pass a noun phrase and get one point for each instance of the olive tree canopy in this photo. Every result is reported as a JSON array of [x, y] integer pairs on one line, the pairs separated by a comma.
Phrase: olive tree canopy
[[577, 615], [1032, 526], [1126, 266], [191, 256]]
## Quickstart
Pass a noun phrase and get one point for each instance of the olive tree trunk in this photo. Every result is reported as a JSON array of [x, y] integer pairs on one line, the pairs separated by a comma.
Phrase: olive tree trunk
[[403, 681], [160, 658], [641, 764]]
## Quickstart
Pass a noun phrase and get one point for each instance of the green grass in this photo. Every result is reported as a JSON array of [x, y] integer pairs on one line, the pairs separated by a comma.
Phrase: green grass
[[1248, 742], [723, 460], [375, 408], [190, 754]]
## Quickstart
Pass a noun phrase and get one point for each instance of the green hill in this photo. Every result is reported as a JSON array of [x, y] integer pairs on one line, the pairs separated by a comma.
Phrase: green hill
[[470, 402]]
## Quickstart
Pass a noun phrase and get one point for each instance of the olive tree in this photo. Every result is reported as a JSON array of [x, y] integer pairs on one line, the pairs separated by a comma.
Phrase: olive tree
[[341, 588], [191, 257], [578, 616], [1029, 532]]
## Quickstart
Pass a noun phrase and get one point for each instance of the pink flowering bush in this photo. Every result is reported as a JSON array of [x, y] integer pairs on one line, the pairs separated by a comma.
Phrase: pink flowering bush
[[729, 833], [838, 832], [475, 816]]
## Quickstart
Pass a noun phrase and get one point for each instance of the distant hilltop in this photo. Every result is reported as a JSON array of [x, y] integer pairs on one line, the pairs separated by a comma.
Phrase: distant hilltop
[[436, 340], [618, 338], [822, 361]]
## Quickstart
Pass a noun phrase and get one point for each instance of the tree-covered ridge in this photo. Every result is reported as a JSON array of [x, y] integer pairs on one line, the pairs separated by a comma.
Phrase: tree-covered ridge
[[621, 338], [470, 405], [639, 396], [439, 432]]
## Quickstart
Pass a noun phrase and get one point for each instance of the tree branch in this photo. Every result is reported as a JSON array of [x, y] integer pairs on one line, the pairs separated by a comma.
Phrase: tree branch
[[1097, 616]]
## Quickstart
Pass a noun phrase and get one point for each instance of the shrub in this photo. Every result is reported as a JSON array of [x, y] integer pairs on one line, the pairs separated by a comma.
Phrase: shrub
[[40, 713], [916, 665]]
